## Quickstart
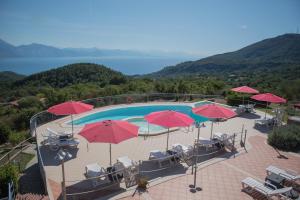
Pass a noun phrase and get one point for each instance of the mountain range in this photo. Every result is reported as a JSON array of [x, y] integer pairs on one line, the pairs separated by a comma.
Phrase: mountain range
[[280, 54], [8, 50], [280, 51]]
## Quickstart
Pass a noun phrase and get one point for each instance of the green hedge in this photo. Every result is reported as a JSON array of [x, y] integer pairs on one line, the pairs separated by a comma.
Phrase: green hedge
[[286, 138], [7, 173]]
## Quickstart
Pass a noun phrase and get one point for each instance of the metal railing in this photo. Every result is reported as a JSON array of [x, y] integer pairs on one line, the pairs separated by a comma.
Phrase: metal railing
[[45, 117], [15, 151]]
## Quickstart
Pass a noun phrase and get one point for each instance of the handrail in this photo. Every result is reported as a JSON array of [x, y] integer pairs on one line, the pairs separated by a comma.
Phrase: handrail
[[15, 147]]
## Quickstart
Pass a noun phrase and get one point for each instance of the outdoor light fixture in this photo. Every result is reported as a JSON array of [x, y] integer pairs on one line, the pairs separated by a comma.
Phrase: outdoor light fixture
[[62, 155]]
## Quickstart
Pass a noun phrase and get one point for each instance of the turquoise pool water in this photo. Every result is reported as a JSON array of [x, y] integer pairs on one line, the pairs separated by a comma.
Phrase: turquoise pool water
[[202, 103], [137, 111], [145, 127]]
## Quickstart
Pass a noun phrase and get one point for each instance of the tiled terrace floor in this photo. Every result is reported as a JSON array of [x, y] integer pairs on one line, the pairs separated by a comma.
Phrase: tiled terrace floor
[[219, 181], [223, 179]]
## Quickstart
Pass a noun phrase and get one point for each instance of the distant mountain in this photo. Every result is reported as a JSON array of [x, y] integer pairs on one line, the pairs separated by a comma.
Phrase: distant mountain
[[74, 74], [270, 53], [9, 77], [40, 50]]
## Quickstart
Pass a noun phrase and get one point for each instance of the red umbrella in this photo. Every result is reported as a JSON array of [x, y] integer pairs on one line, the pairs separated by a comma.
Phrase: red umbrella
[[109, 131], [169, 119], [214, 111], [268, 97], [70, 108], [245, 89]]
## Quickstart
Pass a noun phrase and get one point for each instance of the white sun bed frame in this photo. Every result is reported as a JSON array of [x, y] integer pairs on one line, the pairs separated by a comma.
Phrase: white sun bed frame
[[160, 157], [252, 184], [287, 174]]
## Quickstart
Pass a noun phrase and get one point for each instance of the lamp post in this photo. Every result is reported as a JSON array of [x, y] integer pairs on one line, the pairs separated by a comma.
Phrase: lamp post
[[62, 155], [194, 188]]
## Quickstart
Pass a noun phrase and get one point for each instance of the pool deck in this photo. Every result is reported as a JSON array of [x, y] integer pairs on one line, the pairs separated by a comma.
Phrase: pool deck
[[139, 148]]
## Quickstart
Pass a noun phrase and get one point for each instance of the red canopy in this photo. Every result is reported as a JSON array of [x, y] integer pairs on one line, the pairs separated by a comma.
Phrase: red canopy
[[214, 111], [268, 97], [169, 118], [245, 89], [109, 131], [297, 105], [69, 108]]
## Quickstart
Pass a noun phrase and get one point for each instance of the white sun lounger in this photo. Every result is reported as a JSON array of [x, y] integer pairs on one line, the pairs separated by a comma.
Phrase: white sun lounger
[[287, 174], [180, 148], [125, 161], [221, 136], [160, 157], [262, 122], [93, 171], [57, 133], [260, 187], [207, 143], [55, 143]]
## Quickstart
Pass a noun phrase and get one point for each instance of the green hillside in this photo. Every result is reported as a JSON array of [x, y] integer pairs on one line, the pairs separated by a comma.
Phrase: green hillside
[[74, 74], [267, 54], [8, 77]]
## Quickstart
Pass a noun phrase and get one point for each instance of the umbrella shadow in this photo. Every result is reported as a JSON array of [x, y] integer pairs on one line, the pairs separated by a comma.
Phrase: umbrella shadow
[[262, 129], [31, 181], [152, 170], [50, 157], [105, 189], [250, 116]]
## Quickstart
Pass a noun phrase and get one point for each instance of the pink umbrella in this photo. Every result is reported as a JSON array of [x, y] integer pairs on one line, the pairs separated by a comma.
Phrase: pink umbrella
[[70, 108], [245, 89], [109, 131], [268, 97], [214, 111], [169, 119]]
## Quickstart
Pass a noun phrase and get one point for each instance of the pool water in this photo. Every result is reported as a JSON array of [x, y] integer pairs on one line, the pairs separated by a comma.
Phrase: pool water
[[202, 103], [145, 127], [138, 111]]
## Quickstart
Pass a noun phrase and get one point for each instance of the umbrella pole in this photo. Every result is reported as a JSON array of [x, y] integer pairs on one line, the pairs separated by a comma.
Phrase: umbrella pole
[[266, 110], [168, 139], [243, 99], [211, 130], [72, 125], [198, 132], [109, 154]]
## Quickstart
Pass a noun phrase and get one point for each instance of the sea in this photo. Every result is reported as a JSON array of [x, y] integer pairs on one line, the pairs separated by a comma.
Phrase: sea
[[126, 65]]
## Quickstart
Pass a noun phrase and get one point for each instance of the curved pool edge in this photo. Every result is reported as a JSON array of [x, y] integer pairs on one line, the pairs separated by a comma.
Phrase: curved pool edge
[[64, 122]]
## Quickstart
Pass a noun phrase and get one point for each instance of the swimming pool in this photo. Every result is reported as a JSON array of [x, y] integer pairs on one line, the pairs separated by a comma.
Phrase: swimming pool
[[127, 113]]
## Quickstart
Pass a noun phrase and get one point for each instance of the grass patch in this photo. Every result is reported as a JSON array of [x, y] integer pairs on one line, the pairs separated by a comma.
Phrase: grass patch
[[21, 160]]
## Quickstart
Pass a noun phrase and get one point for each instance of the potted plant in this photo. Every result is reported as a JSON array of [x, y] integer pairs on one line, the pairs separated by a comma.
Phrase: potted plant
[[143, 182]]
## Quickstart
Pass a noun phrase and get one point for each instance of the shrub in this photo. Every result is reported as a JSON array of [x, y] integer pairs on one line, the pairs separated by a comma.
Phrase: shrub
[[286, 138], [235, 99], [29, 102], [17, 137], [8, 173], [4, 133]]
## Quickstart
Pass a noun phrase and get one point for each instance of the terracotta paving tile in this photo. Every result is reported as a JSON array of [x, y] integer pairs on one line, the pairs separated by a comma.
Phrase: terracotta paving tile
[[223, 180]]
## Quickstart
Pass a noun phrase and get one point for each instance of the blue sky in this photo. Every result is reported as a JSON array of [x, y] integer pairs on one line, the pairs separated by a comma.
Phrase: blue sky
[[194, 26]]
